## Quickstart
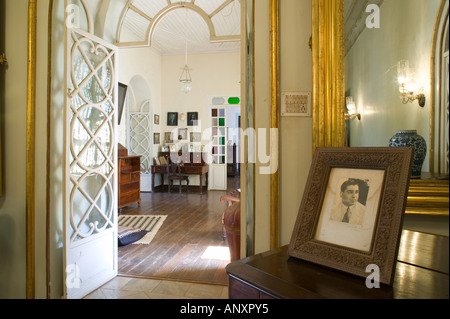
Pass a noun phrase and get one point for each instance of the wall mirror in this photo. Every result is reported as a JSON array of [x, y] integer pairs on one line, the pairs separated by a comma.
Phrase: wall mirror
[[372, 53]]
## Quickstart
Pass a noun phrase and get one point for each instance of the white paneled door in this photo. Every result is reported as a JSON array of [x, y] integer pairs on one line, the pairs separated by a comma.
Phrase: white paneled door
[[219, 140], [90, 214]]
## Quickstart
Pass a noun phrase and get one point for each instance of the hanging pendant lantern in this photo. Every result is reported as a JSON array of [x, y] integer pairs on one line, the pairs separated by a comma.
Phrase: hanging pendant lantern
[[185, 80]]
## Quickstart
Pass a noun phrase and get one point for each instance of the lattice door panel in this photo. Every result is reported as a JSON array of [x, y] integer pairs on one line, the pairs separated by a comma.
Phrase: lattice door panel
[[92, 118], [90, 214], [140, 137]]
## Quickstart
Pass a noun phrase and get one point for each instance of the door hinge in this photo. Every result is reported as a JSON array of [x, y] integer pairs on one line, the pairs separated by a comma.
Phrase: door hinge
[[3, 59]]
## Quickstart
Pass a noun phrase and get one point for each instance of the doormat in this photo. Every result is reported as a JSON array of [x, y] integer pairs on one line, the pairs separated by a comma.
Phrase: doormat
[[149, 223]]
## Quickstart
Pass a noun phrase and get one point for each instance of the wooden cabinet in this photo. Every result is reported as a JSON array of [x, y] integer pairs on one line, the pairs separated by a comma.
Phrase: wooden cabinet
[[129, 180]]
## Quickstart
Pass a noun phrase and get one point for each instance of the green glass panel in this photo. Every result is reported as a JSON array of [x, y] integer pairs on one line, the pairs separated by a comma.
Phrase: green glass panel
[[222, 141], [221, 122], [234, 100]]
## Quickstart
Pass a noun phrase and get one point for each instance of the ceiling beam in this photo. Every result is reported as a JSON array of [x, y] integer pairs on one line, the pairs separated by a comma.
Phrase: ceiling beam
[[220, 8], [140, 12]]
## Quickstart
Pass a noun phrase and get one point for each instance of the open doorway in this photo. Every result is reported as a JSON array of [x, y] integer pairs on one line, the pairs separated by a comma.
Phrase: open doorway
[[190, 244]]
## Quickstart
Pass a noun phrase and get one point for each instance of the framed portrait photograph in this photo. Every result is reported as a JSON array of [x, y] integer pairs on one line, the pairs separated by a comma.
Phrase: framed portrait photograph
[[156, 119], [172, 119], [172, 148], [192, 118], [196, 137], [156, 138], [122, 93], [183, 134], [168, 137], [351, 215]]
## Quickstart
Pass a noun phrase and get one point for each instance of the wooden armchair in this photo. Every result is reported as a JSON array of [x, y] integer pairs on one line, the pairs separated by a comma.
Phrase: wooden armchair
[[231, 198], [231, 221], [174, 174]]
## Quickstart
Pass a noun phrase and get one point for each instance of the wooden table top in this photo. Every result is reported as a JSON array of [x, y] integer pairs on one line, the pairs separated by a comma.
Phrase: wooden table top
[[422, 272]]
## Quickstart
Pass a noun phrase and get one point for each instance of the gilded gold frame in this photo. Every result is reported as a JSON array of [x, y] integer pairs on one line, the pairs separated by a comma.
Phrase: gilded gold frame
[[433, 97], [30, 149], [275, 121], [328, 73]]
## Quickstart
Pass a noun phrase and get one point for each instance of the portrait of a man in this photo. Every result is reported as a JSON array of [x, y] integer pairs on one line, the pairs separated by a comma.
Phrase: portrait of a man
[[172, 119], [349, 209], [192, 118]]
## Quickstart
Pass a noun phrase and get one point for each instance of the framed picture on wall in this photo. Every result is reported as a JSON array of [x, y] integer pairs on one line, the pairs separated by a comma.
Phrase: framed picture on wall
[[122, 93], [196, 137], [172, 119], [192, 118], [183, 134], [156, 138], [156, 120], [172, 148], [168, 137]]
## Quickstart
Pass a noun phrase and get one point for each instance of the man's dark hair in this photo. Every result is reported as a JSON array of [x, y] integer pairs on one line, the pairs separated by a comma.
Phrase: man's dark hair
[[349, 182]]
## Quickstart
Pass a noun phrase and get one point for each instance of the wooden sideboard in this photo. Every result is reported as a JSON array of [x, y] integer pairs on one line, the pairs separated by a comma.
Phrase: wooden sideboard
[[129, 180], [193, 164], [188, 170], [422, 272]]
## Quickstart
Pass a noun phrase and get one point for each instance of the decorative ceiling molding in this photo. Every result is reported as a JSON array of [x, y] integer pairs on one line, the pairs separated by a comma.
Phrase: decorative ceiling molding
[[355, 16], [166, 25]]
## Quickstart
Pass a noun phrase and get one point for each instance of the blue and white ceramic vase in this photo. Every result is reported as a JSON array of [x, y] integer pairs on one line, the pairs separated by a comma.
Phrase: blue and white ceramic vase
[[417, 142]]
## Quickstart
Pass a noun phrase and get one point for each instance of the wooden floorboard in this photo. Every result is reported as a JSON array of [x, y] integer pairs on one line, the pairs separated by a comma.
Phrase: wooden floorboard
[[194, 223]]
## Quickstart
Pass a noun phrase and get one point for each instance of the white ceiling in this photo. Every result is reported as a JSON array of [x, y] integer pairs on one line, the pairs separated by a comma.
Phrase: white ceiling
[[178, 26], [175, 23]]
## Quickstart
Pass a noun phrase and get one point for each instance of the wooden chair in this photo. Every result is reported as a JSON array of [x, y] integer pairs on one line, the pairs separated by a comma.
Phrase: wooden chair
[[174, 174], [232, 223]]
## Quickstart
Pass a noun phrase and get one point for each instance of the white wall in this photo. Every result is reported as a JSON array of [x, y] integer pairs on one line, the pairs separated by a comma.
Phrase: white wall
[[13, 201], [212, 74], [296, 132], [145, 64], [14, 116], [262, 114]]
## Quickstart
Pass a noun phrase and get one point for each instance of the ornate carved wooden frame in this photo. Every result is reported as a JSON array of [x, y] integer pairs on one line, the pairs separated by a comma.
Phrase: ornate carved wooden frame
[[396, 164]]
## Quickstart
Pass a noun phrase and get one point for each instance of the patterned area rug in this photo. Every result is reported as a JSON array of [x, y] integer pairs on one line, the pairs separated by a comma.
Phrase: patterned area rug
[[149, 223]]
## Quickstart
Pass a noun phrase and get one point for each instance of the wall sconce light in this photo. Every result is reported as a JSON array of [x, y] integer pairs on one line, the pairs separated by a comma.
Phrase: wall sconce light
[[408, 84], [3, 59], [351, 112]]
